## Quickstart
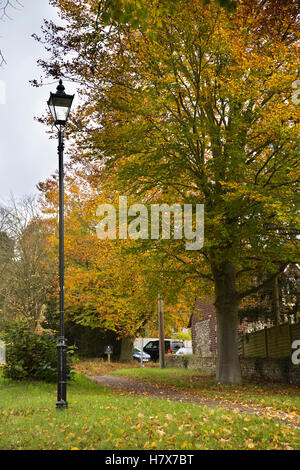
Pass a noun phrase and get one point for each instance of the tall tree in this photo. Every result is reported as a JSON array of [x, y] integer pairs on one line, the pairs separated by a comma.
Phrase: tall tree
[[194, 105], [108, 283], [26, 267], [6, 257]]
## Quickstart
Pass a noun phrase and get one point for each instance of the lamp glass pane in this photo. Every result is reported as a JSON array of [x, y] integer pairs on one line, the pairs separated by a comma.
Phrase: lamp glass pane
[[52, 109], [61, 113], [60, 107]]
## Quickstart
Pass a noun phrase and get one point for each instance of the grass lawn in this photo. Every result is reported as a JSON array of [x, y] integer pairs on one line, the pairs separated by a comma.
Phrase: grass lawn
[[99, 418], [282, 397]]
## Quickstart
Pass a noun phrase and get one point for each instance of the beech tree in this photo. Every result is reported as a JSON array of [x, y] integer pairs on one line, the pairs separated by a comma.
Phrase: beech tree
[[192, 104], [109, 284]]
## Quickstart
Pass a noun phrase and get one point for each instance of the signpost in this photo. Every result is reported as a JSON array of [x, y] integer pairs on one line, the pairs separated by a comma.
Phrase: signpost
[[108, 350]]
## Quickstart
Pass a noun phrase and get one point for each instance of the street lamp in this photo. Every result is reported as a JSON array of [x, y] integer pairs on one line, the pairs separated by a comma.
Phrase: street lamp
[[60, 104]]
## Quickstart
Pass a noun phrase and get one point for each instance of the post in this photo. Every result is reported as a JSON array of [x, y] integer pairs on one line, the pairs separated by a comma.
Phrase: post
[[142, 361], [161, 332], [61, 346]]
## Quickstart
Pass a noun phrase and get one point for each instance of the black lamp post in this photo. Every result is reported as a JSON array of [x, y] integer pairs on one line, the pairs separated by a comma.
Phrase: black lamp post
[[60, 104]]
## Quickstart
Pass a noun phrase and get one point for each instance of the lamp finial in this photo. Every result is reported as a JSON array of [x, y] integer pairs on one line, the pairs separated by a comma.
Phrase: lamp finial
[[60, 88]]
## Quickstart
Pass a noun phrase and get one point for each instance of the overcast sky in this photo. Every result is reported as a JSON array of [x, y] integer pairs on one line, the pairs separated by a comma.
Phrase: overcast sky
[[27, 156]]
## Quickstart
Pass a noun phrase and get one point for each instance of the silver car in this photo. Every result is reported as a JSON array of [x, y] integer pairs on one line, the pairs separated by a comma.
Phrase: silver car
[[137, 355]]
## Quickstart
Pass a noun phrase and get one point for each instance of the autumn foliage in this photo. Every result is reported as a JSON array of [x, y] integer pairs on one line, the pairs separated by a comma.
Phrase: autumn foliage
[[192, 105]]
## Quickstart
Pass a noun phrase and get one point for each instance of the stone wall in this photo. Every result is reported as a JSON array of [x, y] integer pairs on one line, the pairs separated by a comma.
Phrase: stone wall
[[192, 362], [276, 370], [203, 324], [202, 338]]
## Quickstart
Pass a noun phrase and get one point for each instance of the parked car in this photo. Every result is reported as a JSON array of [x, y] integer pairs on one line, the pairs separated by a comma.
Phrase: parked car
[[137, 355], [171, 346], [184, 351]]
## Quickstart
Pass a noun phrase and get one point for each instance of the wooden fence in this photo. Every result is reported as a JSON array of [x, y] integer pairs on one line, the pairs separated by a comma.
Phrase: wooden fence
[[272, 342]]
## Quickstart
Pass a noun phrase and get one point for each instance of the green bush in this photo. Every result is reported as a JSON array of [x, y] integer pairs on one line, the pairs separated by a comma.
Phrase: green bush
[[182, 336], [31, 355]]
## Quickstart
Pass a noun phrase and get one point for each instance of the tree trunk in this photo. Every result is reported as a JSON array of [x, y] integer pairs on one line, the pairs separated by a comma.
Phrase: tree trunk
[[126, 349], [228, 364]]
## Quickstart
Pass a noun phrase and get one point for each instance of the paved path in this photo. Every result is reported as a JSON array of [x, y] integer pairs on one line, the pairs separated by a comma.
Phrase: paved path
[[136, 387]]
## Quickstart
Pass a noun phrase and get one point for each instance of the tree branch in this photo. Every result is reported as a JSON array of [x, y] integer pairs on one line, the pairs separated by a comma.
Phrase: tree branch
[[4, 6], [255, 289]]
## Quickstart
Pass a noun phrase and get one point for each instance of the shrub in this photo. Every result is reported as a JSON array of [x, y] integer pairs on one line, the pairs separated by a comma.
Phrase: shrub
[[31, 355], [182, 336]]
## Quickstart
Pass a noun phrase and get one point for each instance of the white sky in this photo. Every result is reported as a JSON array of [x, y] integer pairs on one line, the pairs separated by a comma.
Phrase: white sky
[[27, 155]]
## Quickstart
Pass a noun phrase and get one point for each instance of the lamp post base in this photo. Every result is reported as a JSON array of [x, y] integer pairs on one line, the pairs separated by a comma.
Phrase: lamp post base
[[62, 374], [61, 404]]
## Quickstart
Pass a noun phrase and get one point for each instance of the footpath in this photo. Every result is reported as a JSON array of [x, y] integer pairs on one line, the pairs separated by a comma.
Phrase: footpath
[[136, 387]]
